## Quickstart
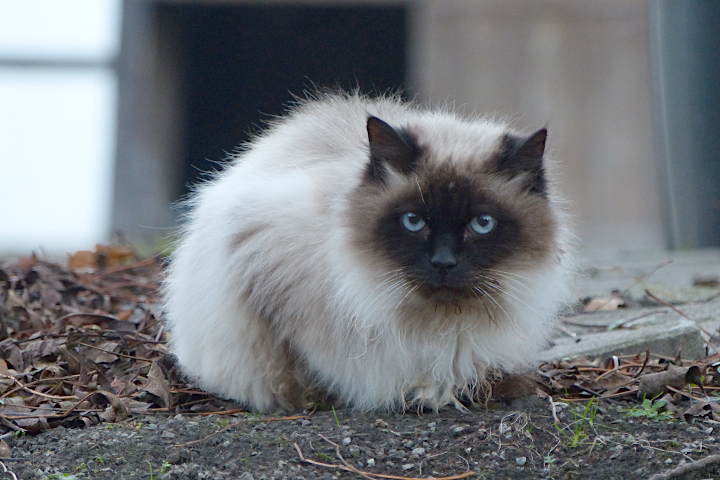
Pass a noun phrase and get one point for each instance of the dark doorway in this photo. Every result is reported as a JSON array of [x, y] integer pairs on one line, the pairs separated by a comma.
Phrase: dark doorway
[[240, 64]]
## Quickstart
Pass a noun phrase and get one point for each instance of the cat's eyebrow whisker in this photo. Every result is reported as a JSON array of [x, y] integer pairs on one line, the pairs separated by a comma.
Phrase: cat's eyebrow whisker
[[422, 198]]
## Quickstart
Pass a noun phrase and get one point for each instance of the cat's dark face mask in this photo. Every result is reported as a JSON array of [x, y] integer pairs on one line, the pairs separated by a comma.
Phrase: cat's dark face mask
[[451, 235]]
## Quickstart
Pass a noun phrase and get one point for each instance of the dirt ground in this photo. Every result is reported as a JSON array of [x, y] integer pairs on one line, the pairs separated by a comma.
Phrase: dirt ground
[[505, 441]]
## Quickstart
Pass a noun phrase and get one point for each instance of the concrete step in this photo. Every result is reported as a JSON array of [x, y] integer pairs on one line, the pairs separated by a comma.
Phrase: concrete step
[[690, 281]]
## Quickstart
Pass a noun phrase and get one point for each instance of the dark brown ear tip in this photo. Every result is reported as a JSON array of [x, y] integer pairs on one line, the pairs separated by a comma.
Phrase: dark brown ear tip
[[540, 134], [376, 126]]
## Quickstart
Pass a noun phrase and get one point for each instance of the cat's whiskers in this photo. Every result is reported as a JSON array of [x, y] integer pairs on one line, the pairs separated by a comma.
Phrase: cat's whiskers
[[496, 286], [414, 287], [509, 276], [494, 301], [392, 285]]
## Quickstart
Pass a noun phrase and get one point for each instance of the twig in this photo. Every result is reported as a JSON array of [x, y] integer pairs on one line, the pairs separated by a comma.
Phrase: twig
[[8, 471], [348, 467], [232, 411], [647, 357], [638, 280], [276, 419], [121, 268], [567, 332], [688, 467], [374, 476], [39, 394], [553, 410], [115, 353], [677, 310], [36, 382], [685, 394]]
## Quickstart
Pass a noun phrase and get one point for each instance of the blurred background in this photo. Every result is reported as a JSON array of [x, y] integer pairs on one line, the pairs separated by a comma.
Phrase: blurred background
[[109, 109]]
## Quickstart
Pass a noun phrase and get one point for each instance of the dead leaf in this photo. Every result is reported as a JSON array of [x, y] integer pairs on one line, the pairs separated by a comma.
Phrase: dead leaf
[[83, 260], [603, 303], [709, 410], [116, 410], [157, 384], [5, 450]]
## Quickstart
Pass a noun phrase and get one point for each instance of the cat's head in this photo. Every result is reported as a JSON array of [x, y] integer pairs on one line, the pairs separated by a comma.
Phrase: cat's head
[[452, 225]]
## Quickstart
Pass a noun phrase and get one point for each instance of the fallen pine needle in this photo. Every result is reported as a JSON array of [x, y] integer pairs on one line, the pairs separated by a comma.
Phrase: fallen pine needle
[[372, 476], [219, 412], [35, 392], [688, 467], [114, 353], [276, 419], [685, 394]]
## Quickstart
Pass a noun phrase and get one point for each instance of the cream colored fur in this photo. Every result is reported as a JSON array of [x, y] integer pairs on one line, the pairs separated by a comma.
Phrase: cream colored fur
[[275, 222]]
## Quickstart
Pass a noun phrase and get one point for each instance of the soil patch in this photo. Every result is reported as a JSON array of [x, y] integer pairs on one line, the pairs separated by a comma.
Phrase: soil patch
[[514, 441]]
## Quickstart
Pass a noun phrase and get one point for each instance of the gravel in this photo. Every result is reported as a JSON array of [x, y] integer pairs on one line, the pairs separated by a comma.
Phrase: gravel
[[515, 441]]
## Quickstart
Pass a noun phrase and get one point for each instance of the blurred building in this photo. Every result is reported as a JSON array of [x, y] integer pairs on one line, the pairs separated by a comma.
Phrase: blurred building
[[626, 89]]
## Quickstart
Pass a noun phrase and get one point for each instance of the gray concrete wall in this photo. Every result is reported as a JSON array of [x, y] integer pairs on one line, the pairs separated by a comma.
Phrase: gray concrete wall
[[580, 66]]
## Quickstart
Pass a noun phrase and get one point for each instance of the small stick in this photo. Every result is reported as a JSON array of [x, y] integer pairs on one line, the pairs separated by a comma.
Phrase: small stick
[[114, 353], [647, 357], [677, 310], [553, 410], [685, 394], [39, 394], [688, 467], [348, 467], [8, 471], [374, 476]]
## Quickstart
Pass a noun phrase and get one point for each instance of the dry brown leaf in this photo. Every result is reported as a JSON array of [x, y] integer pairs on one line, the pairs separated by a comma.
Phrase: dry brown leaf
[[708, 410], [157, 384], [602, 304], [5, 450], [116, 410], [83, 260], [135, 406]]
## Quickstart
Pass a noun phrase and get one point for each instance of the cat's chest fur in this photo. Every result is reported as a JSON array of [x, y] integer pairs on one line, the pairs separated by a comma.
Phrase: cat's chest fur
[[371, 252]]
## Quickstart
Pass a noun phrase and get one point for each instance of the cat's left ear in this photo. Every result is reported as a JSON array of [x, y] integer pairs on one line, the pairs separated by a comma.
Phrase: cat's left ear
[[388, 148], [524, 156]]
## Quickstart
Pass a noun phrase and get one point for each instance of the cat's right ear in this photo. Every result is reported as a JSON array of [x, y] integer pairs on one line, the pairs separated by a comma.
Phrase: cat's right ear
[[389, 149]]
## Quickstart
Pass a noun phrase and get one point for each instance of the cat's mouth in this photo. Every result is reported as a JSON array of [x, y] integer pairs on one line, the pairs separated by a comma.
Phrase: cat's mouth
[[446, 293]]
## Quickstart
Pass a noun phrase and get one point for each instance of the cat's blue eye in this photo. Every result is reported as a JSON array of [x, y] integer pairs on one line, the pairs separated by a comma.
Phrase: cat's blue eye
[[412, 222], [482, 224]]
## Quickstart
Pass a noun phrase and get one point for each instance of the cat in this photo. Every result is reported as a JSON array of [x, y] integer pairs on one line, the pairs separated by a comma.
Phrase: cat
[[371, 252]]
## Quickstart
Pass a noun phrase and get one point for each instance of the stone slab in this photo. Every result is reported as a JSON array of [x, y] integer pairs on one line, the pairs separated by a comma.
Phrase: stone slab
[[671, 276], [666, 338]]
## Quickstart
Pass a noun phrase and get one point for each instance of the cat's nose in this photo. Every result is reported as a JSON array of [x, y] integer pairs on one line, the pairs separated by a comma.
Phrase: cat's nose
[[443, 260]]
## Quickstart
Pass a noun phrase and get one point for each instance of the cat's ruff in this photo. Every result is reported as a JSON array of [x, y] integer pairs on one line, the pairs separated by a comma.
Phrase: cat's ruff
[[295, 273]]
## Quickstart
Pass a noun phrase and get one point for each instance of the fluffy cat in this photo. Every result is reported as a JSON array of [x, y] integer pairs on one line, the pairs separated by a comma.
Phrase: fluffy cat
[[370, 252]]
